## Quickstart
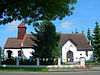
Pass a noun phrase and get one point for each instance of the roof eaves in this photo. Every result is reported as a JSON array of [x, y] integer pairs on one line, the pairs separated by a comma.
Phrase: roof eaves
[[5, 43]]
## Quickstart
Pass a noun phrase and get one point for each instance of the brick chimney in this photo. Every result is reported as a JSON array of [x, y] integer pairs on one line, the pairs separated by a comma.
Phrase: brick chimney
[[21, 30], [82, 31], [89, 42]]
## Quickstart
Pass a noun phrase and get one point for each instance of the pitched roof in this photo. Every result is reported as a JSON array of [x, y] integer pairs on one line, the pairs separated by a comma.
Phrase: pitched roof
[[16, 43], [21, 25], [79, 40], [27, 42]]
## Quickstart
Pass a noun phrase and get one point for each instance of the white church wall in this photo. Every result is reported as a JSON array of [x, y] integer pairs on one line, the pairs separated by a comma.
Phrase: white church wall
[[66, 48], [90, 56], [76, 54], [26, 52], [79, 54], [14, 52], [83, 54]]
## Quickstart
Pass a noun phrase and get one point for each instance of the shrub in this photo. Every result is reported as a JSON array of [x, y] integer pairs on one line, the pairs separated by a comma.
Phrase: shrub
[[27, 62], [49, 61], [8, 62]]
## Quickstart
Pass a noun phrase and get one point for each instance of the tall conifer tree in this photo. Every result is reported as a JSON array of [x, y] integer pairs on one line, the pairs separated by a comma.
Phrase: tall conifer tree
[[96, 41], [76, 31], [89, 36]]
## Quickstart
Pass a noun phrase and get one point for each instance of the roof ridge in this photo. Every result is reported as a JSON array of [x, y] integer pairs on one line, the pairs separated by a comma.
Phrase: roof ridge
[[28, 34], [21, 25], [12, 38]]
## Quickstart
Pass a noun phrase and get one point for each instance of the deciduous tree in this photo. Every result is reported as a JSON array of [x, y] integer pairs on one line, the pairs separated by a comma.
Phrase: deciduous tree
[[33, 10], [47, 40]]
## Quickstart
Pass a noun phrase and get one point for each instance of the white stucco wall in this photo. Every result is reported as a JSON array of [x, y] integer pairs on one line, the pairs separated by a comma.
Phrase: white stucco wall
[[76, 54], [83, 52], [66, 48], [26, 52], [90, 56], [14, 52]]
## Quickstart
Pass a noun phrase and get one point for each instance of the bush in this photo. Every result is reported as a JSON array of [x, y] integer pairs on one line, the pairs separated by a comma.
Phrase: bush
[[27, 62], [43, 61], [8, 62], [49, 61], [92, 63]]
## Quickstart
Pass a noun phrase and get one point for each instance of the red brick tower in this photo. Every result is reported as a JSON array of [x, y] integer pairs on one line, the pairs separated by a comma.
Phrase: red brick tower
[[21, 30]]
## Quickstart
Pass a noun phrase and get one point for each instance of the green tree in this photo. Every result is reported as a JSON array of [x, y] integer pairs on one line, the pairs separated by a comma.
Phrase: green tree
[[89, 36], [96, 41], [76, 31], [47, 40], [57, 51], [33, 10]]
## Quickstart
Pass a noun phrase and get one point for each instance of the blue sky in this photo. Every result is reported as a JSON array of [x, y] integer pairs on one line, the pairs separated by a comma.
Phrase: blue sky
[[84, 16]]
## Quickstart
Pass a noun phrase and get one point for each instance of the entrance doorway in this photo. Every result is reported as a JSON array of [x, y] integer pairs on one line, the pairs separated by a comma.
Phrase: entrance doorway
[[69, 56]]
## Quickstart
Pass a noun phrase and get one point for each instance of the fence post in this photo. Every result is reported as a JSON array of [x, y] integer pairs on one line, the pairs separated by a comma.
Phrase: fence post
[[38, 63], [17, 61], [82, 62], [59, 61]]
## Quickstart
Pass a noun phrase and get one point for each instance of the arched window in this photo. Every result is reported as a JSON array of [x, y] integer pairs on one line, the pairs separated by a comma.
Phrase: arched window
[[9, 53], [19, 53]]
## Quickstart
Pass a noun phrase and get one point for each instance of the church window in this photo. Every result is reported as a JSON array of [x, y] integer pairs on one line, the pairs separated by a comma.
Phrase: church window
[[9, 53], [86, 53], [19, 53], [80, 54]]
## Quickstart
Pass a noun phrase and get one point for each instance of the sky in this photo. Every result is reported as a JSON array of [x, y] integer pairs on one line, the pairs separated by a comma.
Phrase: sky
[[86, 13]]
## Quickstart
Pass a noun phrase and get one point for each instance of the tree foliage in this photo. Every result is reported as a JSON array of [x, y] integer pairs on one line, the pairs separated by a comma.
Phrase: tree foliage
[[89, 36], [96, 41], [33, 10], [47, 40], [76, 31]]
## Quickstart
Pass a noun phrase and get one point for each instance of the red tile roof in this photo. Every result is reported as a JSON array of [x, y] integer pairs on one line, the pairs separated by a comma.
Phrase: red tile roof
[[22, 25], [79, 40], [12, 43], [16, 43]]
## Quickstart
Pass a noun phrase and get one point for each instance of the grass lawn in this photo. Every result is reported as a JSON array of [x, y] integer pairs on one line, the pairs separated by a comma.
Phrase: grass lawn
[[9, 69], [66, 64], [92, 63], [23, 69]]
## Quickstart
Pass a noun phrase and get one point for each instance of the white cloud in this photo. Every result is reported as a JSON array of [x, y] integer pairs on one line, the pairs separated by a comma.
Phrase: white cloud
[[13, 25], [67, 25]]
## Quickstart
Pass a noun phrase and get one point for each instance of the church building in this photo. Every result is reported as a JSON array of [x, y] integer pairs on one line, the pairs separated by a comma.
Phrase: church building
[[73, 46]]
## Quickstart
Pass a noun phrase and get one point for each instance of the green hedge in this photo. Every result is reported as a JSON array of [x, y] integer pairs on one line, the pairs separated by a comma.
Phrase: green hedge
[[8, 62], [92, 63], [27, 62], [43, 61], [53, 61]]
